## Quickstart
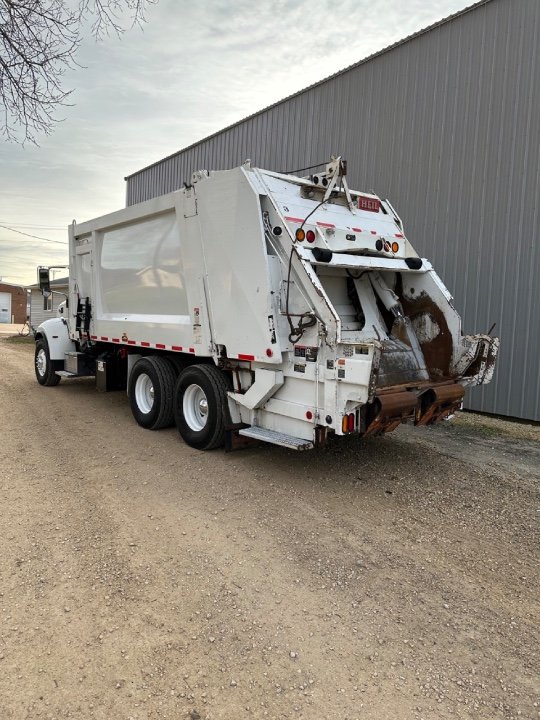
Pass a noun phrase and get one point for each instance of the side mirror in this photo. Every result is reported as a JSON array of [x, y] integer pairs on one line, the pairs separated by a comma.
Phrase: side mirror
[[44, 281]]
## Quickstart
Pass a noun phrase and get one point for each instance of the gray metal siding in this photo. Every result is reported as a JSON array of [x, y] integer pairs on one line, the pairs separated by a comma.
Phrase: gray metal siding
[[37, 313], [447, 125]]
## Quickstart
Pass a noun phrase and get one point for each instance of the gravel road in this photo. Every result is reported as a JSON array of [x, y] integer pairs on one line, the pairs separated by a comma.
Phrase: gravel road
[[140, 579]]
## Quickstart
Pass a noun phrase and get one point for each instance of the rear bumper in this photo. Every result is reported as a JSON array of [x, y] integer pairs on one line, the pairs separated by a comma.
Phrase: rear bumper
[[425, 405]]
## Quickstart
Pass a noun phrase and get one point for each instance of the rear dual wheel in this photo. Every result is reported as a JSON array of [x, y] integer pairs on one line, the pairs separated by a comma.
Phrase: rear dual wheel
[[201, 406], [151, 392], [196, 401]]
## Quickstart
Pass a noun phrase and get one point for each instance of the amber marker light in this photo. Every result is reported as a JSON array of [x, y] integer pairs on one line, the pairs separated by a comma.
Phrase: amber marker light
[[300, 235], [395, 247]]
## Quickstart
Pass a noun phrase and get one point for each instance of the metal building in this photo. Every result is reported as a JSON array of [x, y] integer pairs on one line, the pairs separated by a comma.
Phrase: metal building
[[445, 123]]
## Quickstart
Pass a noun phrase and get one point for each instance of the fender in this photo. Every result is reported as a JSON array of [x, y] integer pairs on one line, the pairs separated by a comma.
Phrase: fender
[[56, 334]]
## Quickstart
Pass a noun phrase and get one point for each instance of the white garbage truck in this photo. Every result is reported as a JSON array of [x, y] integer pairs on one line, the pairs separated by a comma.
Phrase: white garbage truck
[[254, 304]]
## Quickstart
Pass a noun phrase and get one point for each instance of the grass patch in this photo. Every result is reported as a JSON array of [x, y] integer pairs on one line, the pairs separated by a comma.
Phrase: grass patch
[[488, 430], [491, 427], [19, 339], [464, 426]]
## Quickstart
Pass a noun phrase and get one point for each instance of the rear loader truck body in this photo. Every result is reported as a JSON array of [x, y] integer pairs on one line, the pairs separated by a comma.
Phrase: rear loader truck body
[[252, 304]]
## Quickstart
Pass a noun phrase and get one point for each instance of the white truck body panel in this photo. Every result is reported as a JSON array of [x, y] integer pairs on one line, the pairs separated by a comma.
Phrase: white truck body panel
[[165, 276]]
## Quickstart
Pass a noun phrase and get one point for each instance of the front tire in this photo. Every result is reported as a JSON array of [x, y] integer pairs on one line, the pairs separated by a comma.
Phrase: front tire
[[201, 406], [44, 366], [151, 392]]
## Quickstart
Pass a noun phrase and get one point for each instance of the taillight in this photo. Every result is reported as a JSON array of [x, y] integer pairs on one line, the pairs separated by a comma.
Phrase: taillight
[[348, 423], [310, 236]]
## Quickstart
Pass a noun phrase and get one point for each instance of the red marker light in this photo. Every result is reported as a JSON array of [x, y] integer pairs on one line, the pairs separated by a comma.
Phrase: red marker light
[[309, 415], [310, 236], [350, 422], [269, 352]]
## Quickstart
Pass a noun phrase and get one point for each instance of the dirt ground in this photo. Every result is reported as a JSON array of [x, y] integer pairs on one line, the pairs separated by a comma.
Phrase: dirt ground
[[140, 579]]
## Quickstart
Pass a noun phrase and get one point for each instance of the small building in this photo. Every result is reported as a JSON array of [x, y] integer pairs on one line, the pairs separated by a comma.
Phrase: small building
[[43, 308], [13, 303]]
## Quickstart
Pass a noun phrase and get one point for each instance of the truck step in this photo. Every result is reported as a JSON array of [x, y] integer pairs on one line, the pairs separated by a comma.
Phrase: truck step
[[276, 438], [66, 374]]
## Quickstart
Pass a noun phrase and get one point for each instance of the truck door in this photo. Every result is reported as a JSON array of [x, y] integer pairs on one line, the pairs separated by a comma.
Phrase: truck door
[[81, 290]]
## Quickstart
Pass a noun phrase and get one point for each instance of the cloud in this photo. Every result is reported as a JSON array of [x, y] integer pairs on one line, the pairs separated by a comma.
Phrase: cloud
[[193, 69]]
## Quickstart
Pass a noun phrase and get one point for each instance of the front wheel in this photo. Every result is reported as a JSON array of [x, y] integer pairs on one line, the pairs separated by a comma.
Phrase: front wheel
[[201, 406], [44, 366]]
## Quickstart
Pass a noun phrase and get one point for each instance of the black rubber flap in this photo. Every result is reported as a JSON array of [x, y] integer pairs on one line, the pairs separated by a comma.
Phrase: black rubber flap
[[322, 254]]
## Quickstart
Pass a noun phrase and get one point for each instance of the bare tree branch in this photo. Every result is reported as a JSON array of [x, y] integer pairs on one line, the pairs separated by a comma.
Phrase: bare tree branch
[[39, 40]]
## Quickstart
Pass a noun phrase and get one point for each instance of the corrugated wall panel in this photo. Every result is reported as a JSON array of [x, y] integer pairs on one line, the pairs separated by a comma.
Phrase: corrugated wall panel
[[447, 125]]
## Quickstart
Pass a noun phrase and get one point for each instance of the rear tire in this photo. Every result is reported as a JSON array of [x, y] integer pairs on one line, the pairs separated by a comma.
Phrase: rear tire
[[44, 366], [201, 406], [151, 392]]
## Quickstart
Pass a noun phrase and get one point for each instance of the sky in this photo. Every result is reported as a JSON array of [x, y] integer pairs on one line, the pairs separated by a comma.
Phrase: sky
[[191, 70]]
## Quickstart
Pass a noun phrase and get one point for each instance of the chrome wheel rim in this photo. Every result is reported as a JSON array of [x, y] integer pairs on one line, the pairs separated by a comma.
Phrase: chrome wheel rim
[[195, 407], [41, 362], [144, 393]]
